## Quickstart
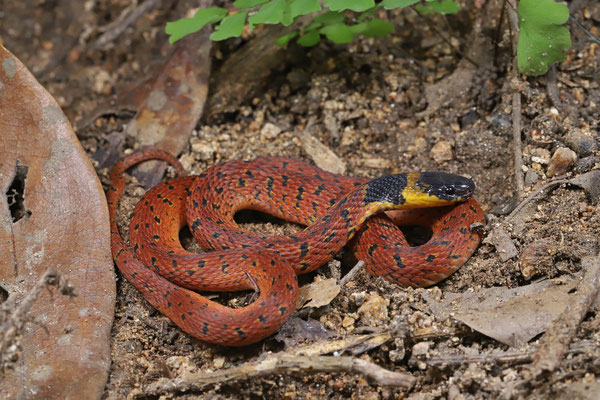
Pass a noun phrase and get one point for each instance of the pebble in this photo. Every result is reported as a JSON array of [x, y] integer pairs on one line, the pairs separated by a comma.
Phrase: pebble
[[562, 159], [358, 298], [540, 155], [454, 393], [587, 163], [348, 323], [374, 310], [399, 353], [219, 362], [270, 131], [441, 151], [501, 121], [535, 255], [531, 177], [584, 145], [203, 149], [421, 349], [180, 364]]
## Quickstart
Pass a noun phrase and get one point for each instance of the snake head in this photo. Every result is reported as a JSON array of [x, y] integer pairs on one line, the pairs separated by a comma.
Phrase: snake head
[[446, 187], [417, 190]]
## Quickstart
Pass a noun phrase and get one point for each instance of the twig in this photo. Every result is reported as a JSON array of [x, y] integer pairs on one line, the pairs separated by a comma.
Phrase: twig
[[511, 358], [350, 275], [117, 27], [544, 190], [448, 42], [516, 101], [281, 364], [553, 88], [12, 321], [584, 29], [558, 336]]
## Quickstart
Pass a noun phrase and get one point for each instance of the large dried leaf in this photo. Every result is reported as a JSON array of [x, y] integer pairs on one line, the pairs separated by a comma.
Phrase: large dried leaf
[[168, 105], [511, 316], [54, 216]]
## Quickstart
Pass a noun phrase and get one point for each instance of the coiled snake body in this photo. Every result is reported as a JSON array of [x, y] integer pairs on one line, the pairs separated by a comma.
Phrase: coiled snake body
[[333, 207]]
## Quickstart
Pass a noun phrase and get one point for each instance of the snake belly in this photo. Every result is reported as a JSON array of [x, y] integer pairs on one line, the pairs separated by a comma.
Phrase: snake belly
[[333, 207]]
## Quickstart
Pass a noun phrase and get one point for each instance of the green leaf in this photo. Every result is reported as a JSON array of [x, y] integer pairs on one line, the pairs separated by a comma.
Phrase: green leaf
[[186, 26], [329, 18], [542, 38], [285, 39], [270, 13], [373, 28], [391, 4], [354, 5], [295, 8], [230, 26], [338, 33], [248, 3], [439, 7], [310, 38]]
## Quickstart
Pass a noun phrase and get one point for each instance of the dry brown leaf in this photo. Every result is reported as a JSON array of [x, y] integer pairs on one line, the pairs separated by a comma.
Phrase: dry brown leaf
[[168, 105], [60, 223], [511, 316], [318, 294]]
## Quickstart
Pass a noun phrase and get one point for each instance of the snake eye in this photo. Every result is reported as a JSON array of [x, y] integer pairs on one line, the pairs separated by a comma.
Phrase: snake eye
[[449, 190]]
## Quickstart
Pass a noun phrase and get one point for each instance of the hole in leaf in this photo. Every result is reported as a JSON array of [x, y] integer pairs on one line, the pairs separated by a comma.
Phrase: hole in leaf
[[3, 295], [15, 194]]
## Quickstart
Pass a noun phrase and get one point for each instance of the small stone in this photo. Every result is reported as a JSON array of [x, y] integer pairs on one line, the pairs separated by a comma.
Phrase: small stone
[[531, 178], [270, 131], [501, 121], [587, 163], [219, 362], [358, 298], [398, 354], [454, 393], [534, 257], [540, 155], [441, 151], [421, 349], [584, 145], [203, 149], [562, 159], [374, 310], [180, 365], [187, 160], [348, 323]]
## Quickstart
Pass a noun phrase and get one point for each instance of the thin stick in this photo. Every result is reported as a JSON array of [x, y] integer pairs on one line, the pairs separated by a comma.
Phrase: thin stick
[[433, 28], [552, 87], [584, 29], [510, 358], [350, 275], [516, 102], [116, 28], [544, 190], [555, 342], [282, 364], [12, 321]]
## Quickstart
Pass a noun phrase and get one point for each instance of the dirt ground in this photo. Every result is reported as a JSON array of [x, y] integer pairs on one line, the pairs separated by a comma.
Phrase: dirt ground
[[408, 101]]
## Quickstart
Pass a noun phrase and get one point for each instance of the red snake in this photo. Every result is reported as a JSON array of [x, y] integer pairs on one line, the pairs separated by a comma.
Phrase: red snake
[[336, 209]]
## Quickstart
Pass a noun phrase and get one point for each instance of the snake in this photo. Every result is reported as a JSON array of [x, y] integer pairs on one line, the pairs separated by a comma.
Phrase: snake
[[336, 210]]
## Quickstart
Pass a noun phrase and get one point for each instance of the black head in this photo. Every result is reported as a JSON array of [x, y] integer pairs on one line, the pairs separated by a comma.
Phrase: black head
[[448, 187]]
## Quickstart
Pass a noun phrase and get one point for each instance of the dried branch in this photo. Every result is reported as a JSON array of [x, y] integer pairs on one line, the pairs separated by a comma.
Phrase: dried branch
[[516, 100], [281, 364], [555, 343], [13, 318]]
